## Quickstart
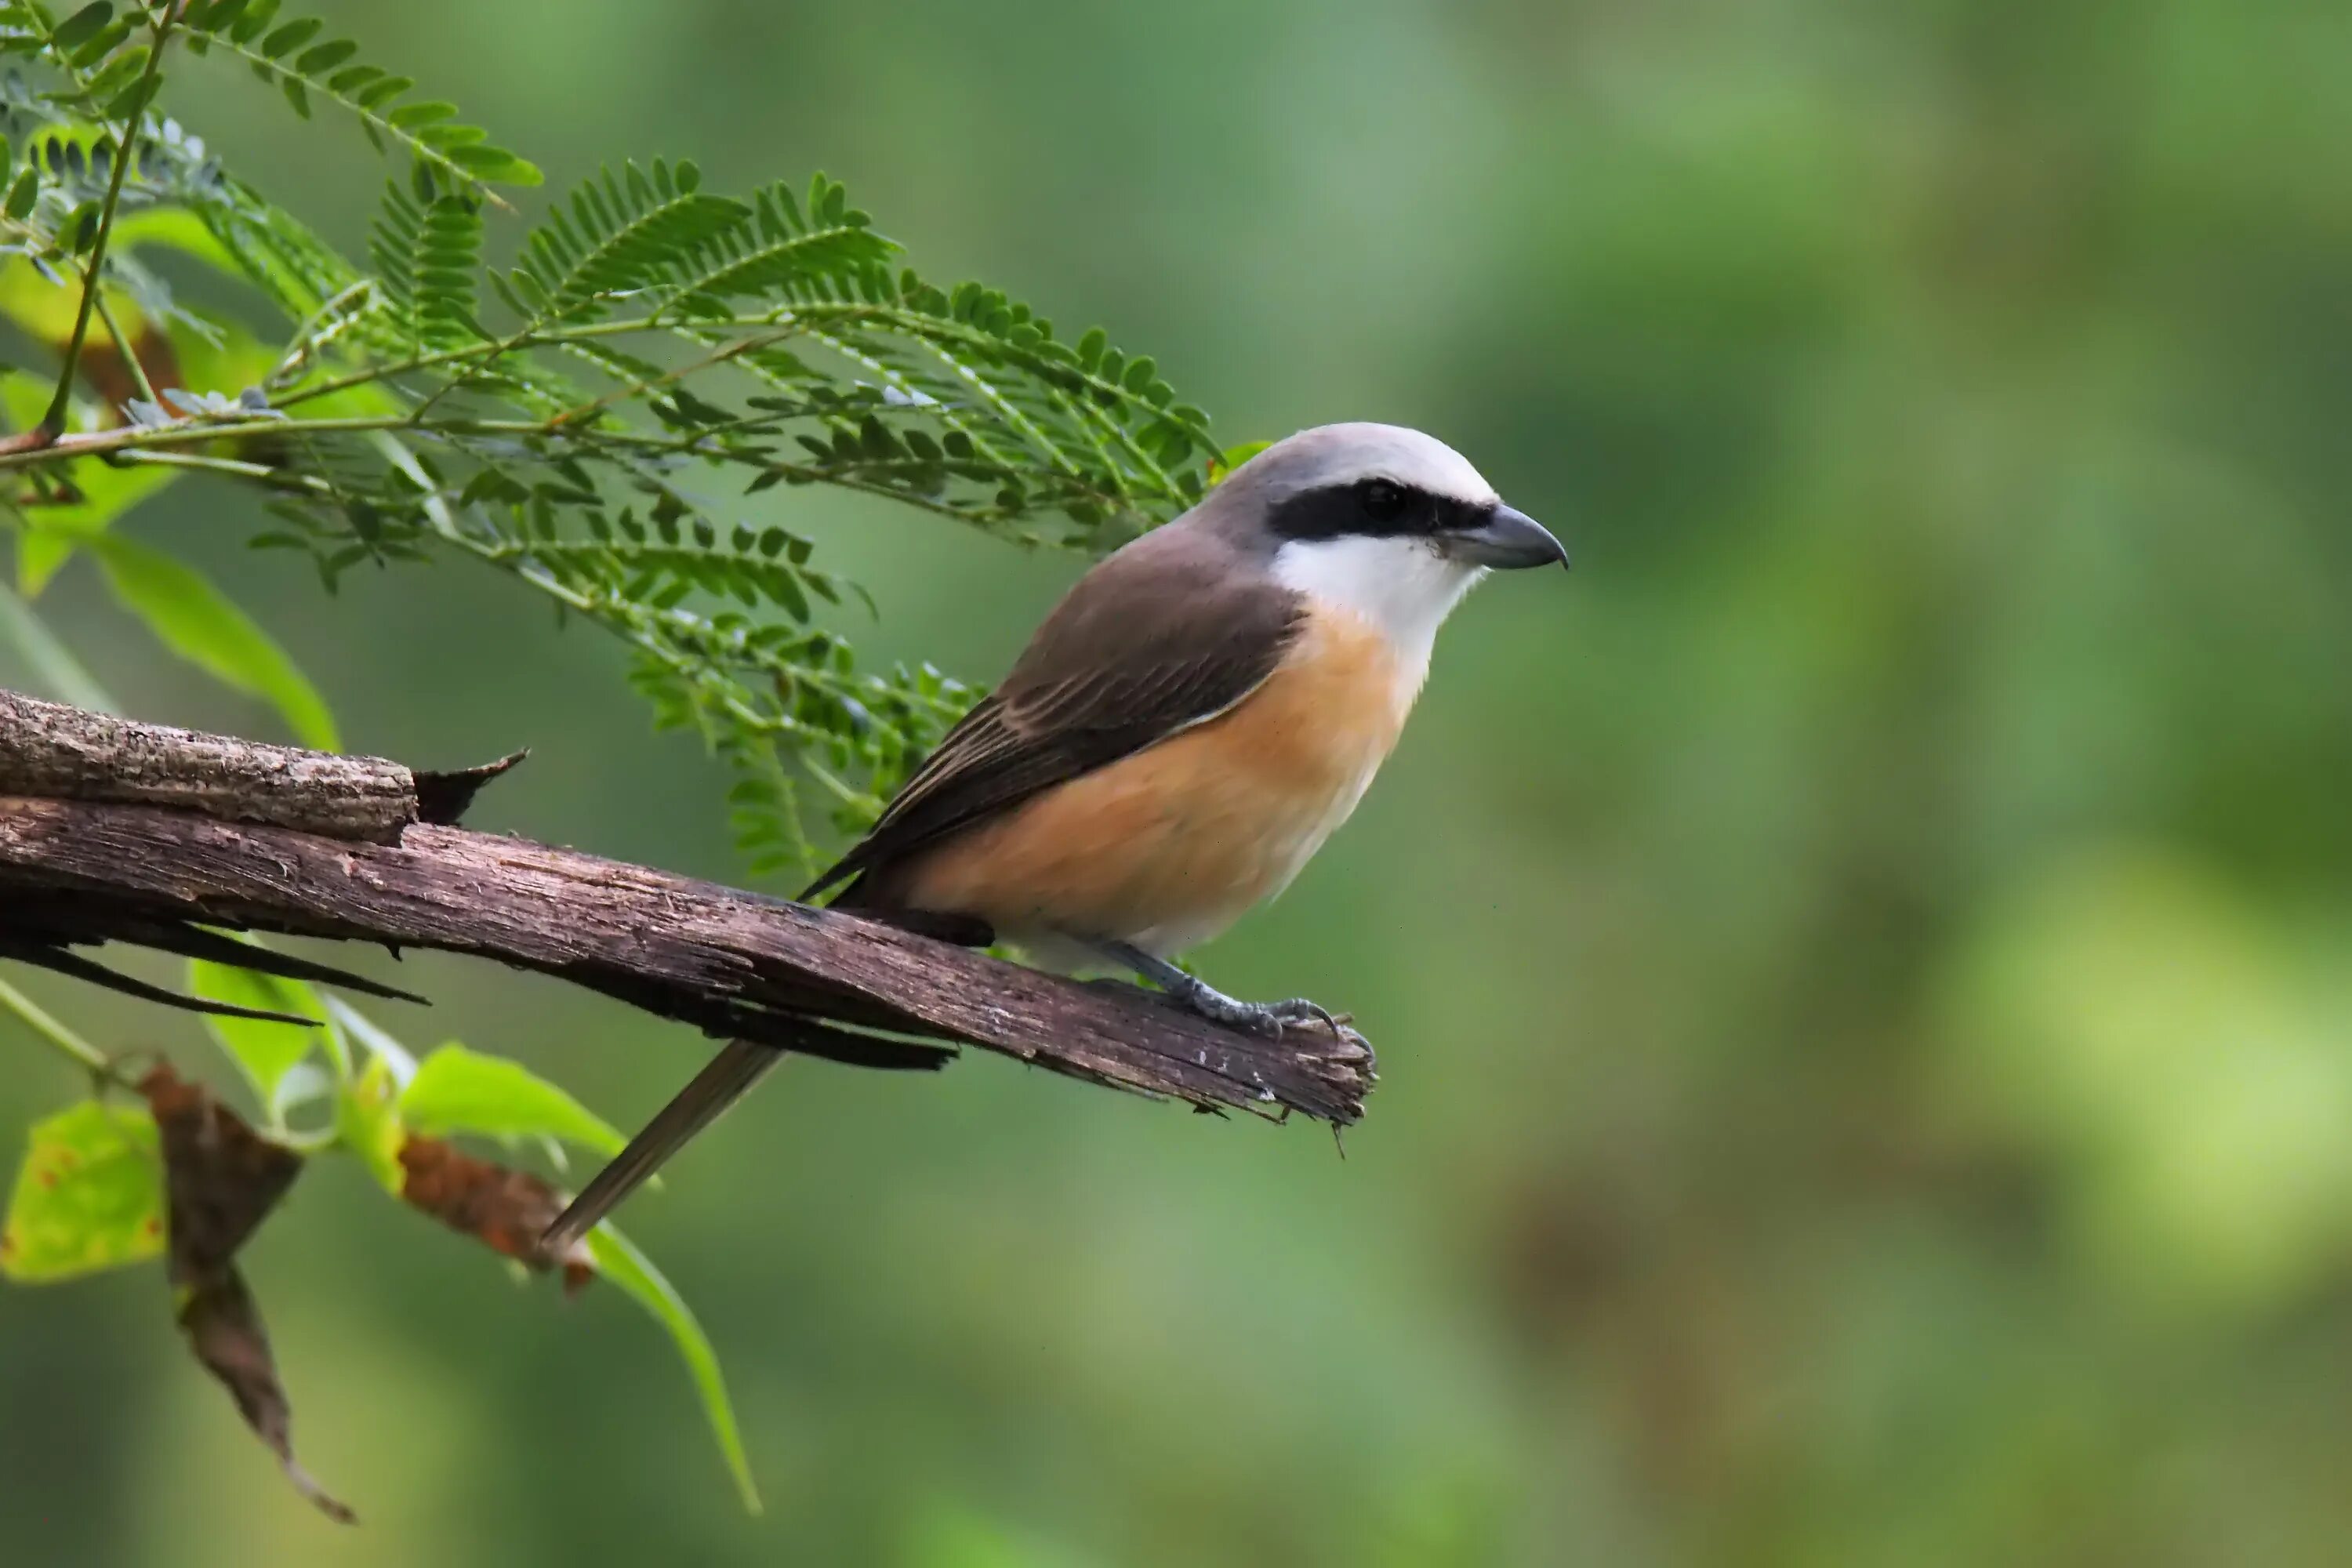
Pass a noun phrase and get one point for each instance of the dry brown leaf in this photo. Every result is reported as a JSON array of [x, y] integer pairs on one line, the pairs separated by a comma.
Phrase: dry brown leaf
[[506, 1209], [221, 1179], [224, 1328]]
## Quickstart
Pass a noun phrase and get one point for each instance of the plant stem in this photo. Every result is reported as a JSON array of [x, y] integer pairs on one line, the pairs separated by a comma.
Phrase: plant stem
[[103, 443], [543, 335], [624, 393], [83, 1053], [301, 347], [261, 473], [53, 423], [130, 354], [140, 443]]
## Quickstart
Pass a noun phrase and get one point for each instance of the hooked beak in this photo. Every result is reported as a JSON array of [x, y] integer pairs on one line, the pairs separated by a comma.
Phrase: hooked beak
[[1508, 539]]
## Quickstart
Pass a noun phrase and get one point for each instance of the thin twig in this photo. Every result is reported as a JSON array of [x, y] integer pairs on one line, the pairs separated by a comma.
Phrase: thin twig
[[623, 394], [53, 421], [130, 356], [540, 334], [307, 339], [260, 473], [498, 352], [56, 1034]]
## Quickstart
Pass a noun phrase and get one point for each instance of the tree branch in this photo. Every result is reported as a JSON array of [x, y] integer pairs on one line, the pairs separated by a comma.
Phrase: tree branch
[[81, 869], [66, 754]]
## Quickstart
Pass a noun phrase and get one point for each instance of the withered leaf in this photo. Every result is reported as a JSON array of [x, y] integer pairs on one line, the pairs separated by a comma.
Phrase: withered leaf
[[221, 1178], [224, 1328], [504, 1208]]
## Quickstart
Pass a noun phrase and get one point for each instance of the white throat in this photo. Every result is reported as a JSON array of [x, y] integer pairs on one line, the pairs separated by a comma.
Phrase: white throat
[[1402, 587]]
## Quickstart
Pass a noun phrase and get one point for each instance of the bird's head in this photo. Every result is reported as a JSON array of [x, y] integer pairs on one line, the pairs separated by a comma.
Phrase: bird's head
[[1388, 521]]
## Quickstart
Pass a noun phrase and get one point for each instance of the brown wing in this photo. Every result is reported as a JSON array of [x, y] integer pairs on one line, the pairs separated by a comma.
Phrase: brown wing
[[1168, 632]]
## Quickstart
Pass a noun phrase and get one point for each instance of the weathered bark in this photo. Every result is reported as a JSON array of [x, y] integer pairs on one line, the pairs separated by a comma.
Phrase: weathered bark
[[66, 754], [80, 870]]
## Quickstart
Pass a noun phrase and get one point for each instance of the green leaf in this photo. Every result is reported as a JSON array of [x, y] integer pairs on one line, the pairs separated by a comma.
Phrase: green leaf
[[243, 23], [326, 57], [618, 1261], [408, 117], [83, 25], [90, 1195], [133, 100], [267, 1052], [176, 229], [291, 36], [461, 1091], [1233, 456], [196, 621], [365, 91], [618, 233]]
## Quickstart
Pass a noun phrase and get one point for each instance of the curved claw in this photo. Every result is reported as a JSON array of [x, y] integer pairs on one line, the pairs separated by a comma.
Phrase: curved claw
[[1271, 1019], [1300, 1010]]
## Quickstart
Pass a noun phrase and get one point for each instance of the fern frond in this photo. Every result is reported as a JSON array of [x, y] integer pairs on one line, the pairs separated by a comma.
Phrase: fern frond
[[764, 810], [427, 259], [775, 252], [660, 337], [290, 54], [619, 234]]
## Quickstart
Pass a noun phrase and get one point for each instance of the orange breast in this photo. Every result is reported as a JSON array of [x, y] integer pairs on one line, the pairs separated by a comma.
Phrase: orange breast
[[1167, 847]]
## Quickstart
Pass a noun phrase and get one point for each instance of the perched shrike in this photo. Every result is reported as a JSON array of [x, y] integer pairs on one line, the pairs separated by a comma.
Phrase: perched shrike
[[1182, 732]]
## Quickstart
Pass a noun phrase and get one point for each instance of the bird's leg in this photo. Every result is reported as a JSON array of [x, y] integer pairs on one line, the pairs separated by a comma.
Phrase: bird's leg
[[1269, 1018]]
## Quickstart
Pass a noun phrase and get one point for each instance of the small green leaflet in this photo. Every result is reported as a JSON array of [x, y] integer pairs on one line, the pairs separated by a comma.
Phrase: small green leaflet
[[198, 622], [456, 152], [90, 1195], [461, 1091], [267, 1052]]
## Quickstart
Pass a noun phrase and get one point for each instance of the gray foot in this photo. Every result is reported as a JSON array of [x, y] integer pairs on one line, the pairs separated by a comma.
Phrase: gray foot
[[1266, 1018]]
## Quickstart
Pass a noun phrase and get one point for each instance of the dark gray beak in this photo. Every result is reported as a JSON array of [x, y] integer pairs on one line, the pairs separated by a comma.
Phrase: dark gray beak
[[1506, 539]]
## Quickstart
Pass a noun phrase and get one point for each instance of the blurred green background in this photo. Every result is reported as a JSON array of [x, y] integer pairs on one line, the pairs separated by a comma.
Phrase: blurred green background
[[1862, 970]]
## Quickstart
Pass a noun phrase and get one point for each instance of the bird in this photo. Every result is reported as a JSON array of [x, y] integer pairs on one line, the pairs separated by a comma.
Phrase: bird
[[1184, 730]]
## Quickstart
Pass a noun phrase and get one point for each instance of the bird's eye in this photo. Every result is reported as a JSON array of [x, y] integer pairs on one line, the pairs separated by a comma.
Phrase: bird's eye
[[1383, 501]]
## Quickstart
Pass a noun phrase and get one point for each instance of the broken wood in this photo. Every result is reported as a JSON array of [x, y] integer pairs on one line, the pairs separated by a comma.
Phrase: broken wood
[[66, 754], [211, 850]]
